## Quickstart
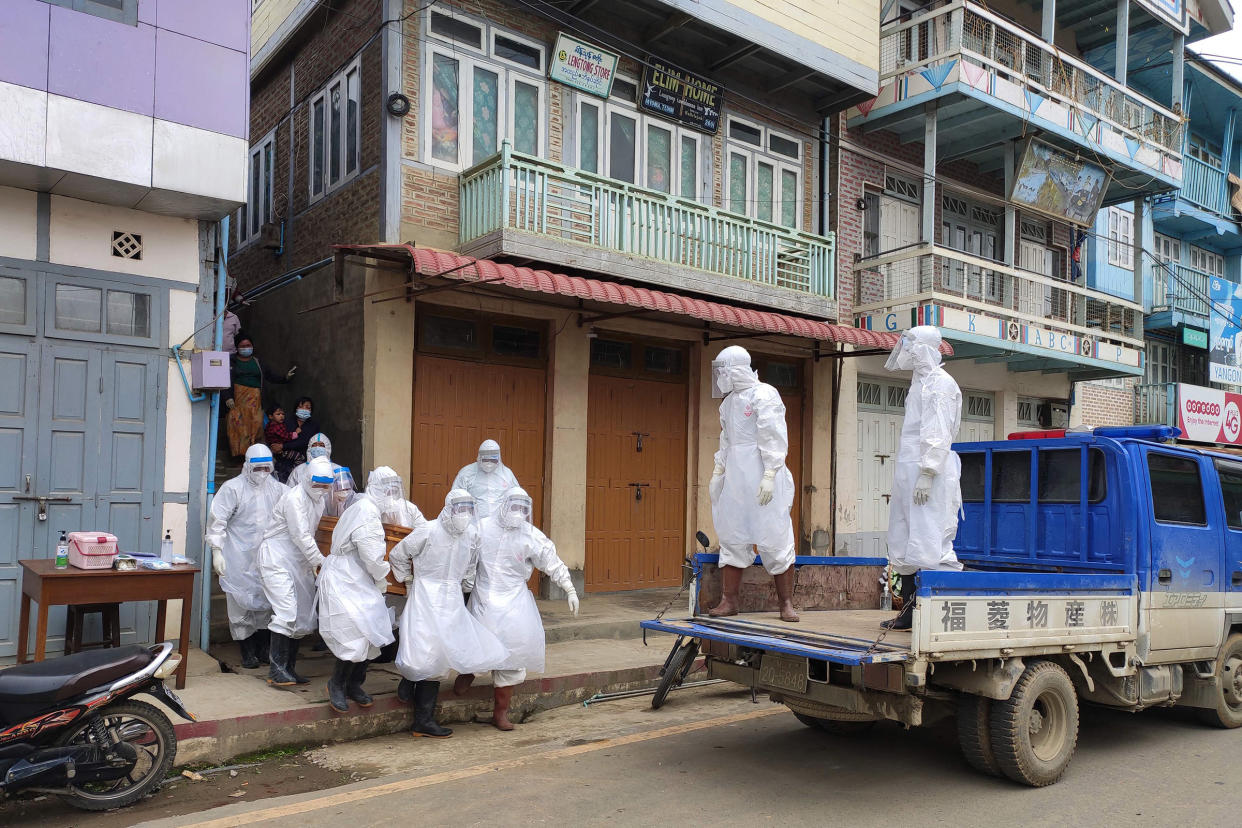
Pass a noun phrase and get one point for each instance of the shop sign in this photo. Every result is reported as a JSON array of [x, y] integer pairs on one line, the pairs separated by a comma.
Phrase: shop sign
[[1194, 338], [582, 65], [1209, 415], [681, 96]]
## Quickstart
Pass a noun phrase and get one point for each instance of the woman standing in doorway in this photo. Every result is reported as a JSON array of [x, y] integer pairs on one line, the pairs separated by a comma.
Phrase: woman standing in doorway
[[245, 402]]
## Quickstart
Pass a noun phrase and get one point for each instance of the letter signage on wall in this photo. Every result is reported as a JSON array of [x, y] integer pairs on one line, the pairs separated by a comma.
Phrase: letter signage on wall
[[681, 96], [1209, 415], [582, 65]]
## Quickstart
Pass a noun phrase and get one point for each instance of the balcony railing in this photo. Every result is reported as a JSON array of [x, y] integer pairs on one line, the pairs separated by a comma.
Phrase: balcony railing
[[969, 32], [1179, 288], [519, 192], [926, 273], [1156, 404], [1204, 185]]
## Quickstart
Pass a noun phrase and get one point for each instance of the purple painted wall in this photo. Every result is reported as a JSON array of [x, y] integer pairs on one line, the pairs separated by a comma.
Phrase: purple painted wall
[[186, 61]]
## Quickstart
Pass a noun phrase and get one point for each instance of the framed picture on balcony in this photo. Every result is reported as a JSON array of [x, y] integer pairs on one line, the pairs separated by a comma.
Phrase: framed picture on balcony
[[1059, 185]]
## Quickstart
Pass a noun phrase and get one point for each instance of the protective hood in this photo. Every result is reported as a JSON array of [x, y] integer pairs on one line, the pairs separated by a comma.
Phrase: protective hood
[[731, 370], [384, 487], [313, 451], [515, 508], [489, 456], [318, 481], [259, 464], [458, 511], [917, 350]]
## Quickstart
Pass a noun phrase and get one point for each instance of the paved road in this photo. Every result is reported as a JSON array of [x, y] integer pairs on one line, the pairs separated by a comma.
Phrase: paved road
[[711, 755]]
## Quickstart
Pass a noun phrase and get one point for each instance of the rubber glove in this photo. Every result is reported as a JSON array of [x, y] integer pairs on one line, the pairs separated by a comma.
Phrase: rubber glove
[[217, 560], [717, 483], [229, 404], [922, 486], [289, 374], [573, 602], [766, 485]]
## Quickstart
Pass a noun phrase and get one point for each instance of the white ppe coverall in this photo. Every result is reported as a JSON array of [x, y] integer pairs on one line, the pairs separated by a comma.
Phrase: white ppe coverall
[[240, 513], [753, 445], [510, 549], [312, 451], [353, 618], [436, 561], [920, 535], [289, 555], [487, 479], [411, 517]]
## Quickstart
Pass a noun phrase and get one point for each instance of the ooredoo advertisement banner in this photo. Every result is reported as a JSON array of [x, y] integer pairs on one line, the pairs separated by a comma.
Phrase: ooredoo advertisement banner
[[1209, 415]]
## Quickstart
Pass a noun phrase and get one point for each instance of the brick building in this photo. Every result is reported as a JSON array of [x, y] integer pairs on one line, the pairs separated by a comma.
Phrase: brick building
[[640, 184]]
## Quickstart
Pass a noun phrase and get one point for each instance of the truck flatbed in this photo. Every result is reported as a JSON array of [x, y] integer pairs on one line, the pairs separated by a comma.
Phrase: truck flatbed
[[841, 636]]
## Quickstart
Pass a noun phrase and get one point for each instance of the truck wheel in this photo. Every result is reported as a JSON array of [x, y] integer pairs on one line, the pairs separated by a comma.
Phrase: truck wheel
[[1035, 731], [1228, 710], [837, 727], [974, 733]]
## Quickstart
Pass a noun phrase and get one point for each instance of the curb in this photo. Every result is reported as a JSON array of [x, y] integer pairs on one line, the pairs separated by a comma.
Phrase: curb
[[219, 740]]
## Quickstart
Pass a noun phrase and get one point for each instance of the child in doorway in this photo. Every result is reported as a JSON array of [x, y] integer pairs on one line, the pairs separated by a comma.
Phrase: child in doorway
[[277, 434]]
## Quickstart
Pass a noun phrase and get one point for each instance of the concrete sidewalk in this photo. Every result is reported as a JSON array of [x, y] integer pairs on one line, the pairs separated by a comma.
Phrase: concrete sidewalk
[[600, 651]]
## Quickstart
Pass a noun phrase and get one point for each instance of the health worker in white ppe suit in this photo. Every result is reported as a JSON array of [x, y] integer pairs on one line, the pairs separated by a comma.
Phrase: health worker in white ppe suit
[[510, 549], [344, 492], [408, 515], [751, 489], [288, 559], [437, 562], [487, 479], [353, 619], [240, 512], [319, 446], [927, 491]]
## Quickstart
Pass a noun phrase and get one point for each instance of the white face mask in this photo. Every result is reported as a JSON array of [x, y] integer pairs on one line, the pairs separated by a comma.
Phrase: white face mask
[[342, 496], [489, 465], [460, 521]]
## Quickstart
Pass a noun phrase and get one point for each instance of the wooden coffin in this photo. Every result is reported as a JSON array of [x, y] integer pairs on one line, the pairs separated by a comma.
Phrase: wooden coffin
[[392, 536]]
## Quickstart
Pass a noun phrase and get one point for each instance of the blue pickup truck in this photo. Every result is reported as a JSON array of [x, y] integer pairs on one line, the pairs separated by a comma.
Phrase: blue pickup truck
[[1102, 566]]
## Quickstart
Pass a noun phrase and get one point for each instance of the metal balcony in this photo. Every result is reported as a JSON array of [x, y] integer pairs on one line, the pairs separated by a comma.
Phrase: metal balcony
[[1184, 291], [514, 204]]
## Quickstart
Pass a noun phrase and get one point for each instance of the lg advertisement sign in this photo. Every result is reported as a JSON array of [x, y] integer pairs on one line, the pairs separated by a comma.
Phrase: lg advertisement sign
[[1209, 415]]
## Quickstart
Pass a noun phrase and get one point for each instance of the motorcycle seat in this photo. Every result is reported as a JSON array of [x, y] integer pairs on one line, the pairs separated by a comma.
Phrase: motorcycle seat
[[71, 675]]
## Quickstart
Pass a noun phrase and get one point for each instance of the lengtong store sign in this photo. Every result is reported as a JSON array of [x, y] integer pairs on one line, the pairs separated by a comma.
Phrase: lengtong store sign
[[681, 96]]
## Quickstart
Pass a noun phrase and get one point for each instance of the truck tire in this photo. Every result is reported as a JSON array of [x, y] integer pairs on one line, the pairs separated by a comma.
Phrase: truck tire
[[1035, 731], [837, 727], [974, 733], [1228, 710]]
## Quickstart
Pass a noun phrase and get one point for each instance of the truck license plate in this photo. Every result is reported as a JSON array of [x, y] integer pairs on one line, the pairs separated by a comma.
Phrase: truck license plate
[[783, 672]]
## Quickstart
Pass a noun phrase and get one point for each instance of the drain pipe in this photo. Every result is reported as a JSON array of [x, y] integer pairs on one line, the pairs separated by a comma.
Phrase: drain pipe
[[217, 342]]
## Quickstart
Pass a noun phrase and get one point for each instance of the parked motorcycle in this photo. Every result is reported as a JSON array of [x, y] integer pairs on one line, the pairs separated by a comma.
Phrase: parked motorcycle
[[71, 726]]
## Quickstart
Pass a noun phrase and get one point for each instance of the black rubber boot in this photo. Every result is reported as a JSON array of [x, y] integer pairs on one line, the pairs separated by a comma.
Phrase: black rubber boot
[[249, 658], [278, 655], [388, 653], [354, 688], [905, 618], [292, 660], [338, 684], [405, 691], [262, 642], [425, 695]]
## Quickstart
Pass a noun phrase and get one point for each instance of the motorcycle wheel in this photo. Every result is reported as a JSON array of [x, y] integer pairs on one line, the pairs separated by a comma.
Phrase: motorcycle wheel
[[148, 732]]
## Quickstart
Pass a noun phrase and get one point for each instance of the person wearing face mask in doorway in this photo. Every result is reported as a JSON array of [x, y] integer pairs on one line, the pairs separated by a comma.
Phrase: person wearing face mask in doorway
[[244, 399], [240, 512], [487, 479], [306, 424], [927, 492], [288, 560], [318, 446], [437, 562]]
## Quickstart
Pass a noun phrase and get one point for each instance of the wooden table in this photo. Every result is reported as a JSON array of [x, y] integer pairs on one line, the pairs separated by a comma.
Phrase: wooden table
[[43, 582]]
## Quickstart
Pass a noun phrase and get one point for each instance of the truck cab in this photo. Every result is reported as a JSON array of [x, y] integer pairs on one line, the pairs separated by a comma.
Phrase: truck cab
[[1101, 565]]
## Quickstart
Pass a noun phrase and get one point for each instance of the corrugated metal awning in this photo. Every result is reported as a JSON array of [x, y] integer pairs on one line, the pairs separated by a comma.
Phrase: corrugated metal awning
[[432, 262]]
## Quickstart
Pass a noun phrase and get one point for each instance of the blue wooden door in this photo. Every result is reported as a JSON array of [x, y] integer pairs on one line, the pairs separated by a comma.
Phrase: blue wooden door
[[19, 382]]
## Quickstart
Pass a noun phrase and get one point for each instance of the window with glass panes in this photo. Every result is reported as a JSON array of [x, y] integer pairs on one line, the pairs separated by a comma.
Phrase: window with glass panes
[[336, 131], [1205, 261], [1168, 255], [257, 210], [1120, 238], [484, 86], [763, 173], [616, 140]]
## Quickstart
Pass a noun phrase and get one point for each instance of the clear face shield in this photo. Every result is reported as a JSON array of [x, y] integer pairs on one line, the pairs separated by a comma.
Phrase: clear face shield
[[320, 486], [461, 515], [517, 511], [389, 494], [722, 383], [259, 468], [342, 487], [489, 461], [899, 359]]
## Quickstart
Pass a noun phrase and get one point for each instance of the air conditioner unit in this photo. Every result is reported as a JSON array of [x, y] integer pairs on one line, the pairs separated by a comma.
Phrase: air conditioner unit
[[1053, 415], [269, 236]]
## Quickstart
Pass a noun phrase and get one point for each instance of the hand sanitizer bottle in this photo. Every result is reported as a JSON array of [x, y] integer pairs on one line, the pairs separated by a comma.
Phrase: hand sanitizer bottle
[[166, 547], [62, 551]]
